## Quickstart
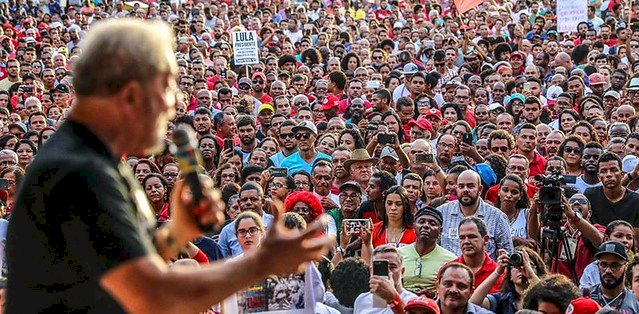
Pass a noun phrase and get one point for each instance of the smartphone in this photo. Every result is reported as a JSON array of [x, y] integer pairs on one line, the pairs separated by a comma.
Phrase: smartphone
[[424, 158], [27, 89], [223, 73], [228, 143], [467, 138], [372, 127], [527, 87], [570, 179], [380, 268], [386, 138], [355, 226], [279, 172], [4, 184]]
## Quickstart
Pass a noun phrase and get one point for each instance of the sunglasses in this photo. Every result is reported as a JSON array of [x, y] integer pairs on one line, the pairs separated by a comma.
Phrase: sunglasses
[[579, 200], [302, 136], [499, 149], [287, 135], [569, 150]]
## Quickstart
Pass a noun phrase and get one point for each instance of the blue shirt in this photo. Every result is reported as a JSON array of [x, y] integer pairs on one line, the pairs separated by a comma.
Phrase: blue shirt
[[228, 239], [278, 158], [295, 163]]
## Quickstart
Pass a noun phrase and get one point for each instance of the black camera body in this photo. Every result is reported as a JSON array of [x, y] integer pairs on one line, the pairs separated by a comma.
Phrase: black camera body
[[551, 198], [516, 259]]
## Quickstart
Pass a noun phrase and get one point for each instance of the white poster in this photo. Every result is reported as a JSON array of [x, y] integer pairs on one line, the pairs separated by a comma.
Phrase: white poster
[[570, 13], [245, 50]]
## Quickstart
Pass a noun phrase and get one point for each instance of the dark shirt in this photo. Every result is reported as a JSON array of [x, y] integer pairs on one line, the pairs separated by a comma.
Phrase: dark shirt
[[77, 215], [604, 211], [210, 248]]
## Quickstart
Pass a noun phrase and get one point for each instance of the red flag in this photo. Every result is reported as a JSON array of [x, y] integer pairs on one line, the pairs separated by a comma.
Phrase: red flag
[[465, 5]]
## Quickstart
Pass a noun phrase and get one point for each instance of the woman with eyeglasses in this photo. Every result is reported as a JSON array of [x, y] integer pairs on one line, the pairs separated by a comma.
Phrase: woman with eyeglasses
[[226, 174], [570, 150], [520, 274], [397, 221]]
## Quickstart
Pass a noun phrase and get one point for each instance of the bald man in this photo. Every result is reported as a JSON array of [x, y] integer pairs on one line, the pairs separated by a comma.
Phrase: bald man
[[563, 59], [469, 203]]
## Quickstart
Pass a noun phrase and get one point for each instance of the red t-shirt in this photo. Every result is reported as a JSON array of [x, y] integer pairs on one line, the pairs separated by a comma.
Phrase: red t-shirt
[[537, 165], [582, 255], [379, 235], [485, 271], [493, 192]]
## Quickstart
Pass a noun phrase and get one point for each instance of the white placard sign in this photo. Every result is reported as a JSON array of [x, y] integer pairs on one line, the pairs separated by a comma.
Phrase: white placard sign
[[570, 13], [245, 49]]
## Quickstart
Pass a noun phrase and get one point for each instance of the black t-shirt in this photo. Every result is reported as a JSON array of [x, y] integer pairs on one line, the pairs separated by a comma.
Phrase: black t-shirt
[[75, 218], [604, 211]]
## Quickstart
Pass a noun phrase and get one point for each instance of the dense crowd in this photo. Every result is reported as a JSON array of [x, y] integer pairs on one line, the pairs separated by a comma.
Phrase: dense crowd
[[465, 163]]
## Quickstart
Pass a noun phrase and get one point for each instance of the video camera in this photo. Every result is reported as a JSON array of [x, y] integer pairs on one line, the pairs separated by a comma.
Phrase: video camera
[[550, 196]]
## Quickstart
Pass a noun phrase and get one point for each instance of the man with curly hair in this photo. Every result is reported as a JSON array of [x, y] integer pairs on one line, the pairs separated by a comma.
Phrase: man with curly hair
[[551, 295]]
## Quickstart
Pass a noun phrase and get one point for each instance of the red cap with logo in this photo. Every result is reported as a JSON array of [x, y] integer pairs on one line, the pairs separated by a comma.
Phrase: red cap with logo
[[583, 305], [433, 113], [423, 303], [422, 124]]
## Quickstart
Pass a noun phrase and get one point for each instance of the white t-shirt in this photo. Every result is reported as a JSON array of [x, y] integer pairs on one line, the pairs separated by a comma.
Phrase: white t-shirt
[[364, 303], [581, 185], [518, 227]]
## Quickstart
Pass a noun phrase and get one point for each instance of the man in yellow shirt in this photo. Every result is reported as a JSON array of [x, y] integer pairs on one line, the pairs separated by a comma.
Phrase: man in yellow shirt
[[13, 75]]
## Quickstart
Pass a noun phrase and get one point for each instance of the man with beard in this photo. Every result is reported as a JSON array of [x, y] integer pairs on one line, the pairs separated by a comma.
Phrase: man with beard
[[322, 178], [469, 203], [259, 81], [424, 257], [251, 198], [305, 135], [473, 238], [341, 175], [612, 201], [246, 131], [13, 75], [414, 185], [612, 261], [589, 158], [356, 110], [618, 80], [354, 90], [463, 98], [264, 116], [202, 122], [288, 145], [532, 110], [526, 144], [381, 100], [350, 197], [633, 93], [455, 284], [553, 141]]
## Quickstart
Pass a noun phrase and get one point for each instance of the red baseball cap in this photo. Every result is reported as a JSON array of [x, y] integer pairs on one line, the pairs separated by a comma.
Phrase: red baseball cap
[[329, 103], [583, 305], [597, 79], [422, 124], [423, 303], [260, 75], [433, 112]]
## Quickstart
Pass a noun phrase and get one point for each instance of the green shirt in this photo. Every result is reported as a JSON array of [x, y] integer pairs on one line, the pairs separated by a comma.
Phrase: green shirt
[[421, 271]]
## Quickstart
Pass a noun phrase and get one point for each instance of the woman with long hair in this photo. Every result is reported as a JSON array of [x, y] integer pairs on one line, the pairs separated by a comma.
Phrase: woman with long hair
[[156, 189], [512, 199], [397, 221], [520, 274], [570, 150]]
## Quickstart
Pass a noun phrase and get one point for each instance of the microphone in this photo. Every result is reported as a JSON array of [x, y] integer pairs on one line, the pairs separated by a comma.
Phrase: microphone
[[189, 160]]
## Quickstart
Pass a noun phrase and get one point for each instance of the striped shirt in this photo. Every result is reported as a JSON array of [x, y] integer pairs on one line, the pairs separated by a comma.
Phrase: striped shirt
[[496, 223]]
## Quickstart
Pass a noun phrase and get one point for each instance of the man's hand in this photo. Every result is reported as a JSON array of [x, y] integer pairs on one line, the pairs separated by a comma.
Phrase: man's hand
[[327, 203], [383, 288], [285, 252]]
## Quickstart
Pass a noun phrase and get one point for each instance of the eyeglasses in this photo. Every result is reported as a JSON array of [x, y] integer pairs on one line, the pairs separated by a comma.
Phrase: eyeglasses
[[251, 231], [612, 266], [276, 186], [302, 183], [287, 135], [425, 103], [499, 149], [322, 178], [302, 136], [568, 150], [418, 267], [579, 200], [348, 196], [300, 104]]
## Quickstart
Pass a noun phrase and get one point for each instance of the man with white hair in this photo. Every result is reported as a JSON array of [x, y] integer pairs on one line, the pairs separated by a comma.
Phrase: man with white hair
[[8, 158]]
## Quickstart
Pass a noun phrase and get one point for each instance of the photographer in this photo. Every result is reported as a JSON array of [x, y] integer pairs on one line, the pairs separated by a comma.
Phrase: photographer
[[582, 236], [522, 268]]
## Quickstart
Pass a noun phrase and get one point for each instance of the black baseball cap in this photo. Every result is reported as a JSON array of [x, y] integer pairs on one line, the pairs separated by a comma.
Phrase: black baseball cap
[[614, 248], [62, 88]]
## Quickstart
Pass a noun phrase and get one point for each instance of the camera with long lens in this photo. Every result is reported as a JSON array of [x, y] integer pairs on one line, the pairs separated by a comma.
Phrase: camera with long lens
[[516, 259], [550, 197]]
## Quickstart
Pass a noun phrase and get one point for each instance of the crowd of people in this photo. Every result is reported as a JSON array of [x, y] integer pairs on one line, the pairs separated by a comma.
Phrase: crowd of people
[[488, 161]]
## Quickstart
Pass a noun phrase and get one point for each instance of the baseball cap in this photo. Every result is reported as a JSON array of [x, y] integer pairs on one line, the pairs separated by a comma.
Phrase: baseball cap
[[245, 80], [18, 124], [410, 68], [62, 88], [495, 106], [329, 103], [583, 305], [351, 184], [265, 107], [423, 303], [518, 96], [613, 94], [597, 79], [422, 124], [398, 25], [305, 125], [629, 163], [552, 93], [433, 113], [260, 75], [517, 54], [387, 151], [614, 248]]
